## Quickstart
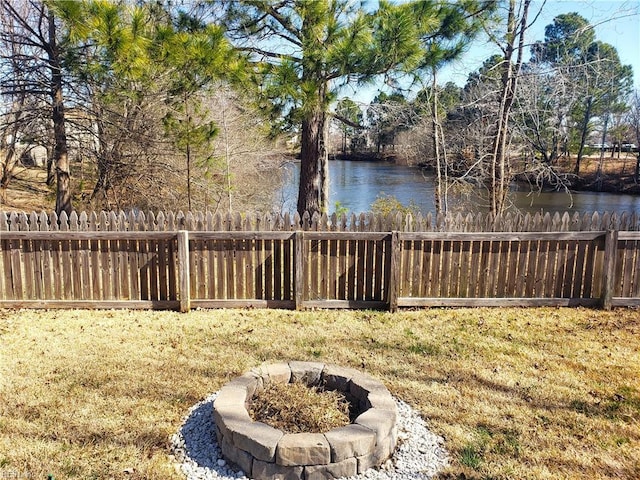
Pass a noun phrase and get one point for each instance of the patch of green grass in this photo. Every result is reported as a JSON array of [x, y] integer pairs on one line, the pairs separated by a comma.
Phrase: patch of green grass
[[420, 348], [470, 457], [621, 441]]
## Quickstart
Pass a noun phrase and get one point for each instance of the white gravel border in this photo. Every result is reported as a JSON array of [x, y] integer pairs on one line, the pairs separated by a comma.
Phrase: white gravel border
[[420, 454]]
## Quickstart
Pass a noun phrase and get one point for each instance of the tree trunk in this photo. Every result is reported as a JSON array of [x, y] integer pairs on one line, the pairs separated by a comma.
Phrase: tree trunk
[[499, 178], [313, 159], [439, 201], [60, 153], [601, 159], [583, 135]]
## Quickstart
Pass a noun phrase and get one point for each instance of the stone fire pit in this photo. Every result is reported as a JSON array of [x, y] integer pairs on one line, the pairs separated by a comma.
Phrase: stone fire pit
[[264, 452]]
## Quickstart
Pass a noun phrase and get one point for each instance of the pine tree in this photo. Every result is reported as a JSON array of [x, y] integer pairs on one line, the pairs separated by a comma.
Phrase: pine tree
[[305, 50]]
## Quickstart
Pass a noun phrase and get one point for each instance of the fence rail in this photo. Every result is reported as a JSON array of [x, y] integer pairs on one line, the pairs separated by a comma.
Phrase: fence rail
[[88, 261]]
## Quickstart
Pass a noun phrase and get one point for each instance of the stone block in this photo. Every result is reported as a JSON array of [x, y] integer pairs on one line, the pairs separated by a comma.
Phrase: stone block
[[384, 448], [362, 385], [227, 417], [231, 395], [307, 372], [238, 457], [382, 452], [381, 400], [366, 462], [272, 471], [346, 468], [337, 378], [350, 441], [380, 421], [274, 372], [249, 382], [303, 449], [218, 433], [257, 438]]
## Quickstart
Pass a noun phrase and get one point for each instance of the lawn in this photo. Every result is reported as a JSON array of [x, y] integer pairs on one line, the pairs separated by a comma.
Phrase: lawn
[[516, 393]]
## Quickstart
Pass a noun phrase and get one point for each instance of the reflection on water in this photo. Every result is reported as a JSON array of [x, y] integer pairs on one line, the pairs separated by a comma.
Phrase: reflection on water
[[356, 185]]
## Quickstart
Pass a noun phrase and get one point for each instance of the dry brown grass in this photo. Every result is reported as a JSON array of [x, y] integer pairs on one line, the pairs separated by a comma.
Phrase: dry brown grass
[[298, 408], [28, 191], [517, 393], [621, 165]]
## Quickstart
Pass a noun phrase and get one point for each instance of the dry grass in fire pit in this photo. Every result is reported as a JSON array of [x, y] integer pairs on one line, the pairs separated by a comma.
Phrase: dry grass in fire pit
[[298, 408]]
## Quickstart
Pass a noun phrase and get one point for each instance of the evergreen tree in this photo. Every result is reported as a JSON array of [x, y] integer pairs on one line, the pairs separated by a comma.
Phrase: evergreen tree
[[599, 77], [305, 50]]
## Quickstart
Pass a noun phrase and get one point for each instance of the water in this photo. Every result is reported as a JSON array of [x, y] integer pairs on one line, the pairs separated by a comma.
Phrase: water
[[357, 184]]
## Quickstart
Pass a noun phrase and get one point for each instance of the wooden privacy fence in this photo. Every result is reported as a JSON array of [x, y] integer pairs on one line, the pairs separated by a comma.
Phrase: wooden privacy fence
[[184, 262]]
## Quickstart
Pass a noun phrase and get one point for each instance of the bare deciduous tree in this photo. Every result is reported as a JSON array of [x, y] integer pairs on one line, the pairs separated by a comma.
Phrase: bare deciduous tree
[[31, 28]]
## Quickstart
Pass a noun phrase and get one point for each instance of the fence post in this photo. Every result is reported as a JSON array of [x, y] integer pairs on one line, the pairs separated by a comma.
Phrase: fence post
[[299, 273], [394, 270], [610, 246], [184, 283]]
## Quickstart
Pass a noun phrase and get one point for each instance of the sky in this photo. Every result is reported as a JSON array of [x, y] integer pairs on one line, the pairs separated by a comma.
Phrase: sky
[[616, 22]]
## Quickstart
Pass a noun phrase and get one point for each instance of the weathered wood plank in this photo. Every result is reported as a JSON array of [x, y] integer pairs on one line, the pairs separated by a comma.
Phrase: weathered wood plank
[[6, 287], [201, 266], [221, 269], [496, 302], [541, 258], [333, 269], [609, 268], [636, 272], [341, 293], [299, 274], [245, 303], [66, 260], [475, 269], [91, 235], [434, 274], [415, 269], [360, 269], [288, 274], [28, 261], [155, 253], [183, 271], [456, 269], [351, 267], [15, 270], [38, 280], [277, 248], [85, 248], [114, 257], [500, 236], [91, 304], [560, 269], [627, 249], [509, 268], [313, 269], [269, 269], [445, 269], [259, 271], [484, 272], [369, 270], [580, 270], [250, 267], [394, 272], [570, 268]]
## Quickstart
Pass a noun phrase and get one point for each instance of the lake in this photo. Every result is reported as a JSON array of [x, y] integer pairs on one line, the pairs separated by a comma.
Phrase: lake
[[357, 184]]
